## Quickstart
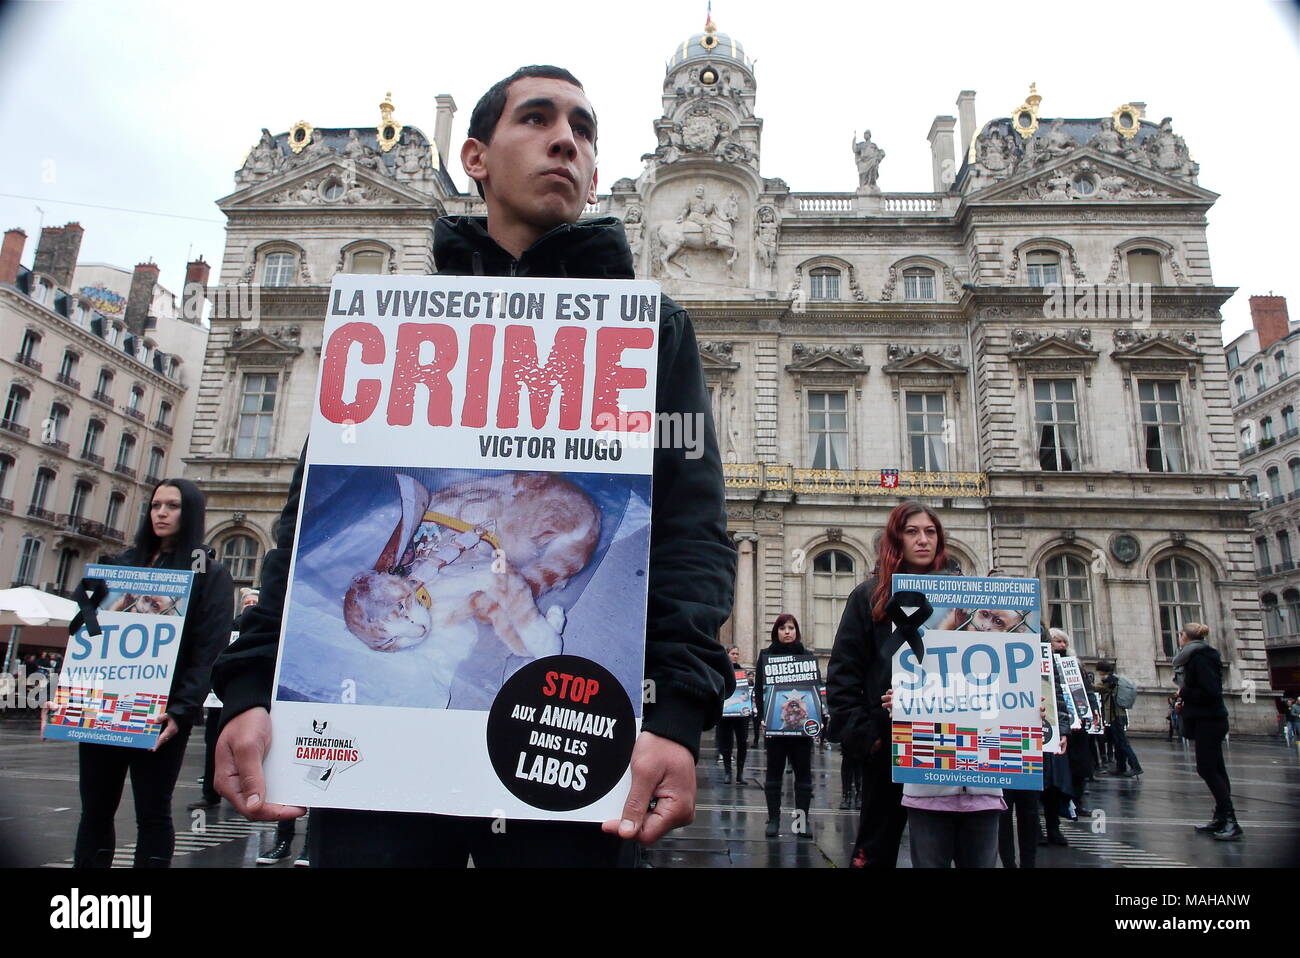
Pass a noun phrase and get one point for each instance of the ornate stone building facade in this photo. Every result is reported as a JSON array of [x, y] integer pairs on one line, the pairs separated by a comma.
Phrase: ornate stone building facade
[[860, 347], [1262, 365], [96, 362]]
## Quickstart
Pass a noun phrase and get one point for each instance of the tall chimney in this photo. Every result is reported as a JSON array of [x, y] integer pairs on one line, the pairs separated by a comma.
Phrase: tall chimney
[[140, 298], [56, 253], [1269, 315], [194, 293], [966, 114], [941, 155], [197, 272], [10, 254], [442, 126], [1140, 106]]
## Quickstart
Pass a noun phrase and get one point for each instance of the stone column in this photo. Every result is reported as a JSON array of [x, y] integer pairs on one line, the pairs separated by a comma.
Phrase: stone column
[[743, 616]]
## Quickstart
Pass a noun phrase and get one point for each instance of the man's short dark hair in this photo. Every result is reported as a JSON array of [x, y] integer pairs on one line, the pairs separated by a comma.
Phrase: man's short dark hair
[[487, 112]]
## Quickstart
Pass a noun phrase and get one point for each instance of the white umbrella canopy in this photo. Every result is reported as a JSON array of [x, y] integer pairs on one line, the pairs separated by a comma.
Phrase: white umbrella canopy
[[28, 606]]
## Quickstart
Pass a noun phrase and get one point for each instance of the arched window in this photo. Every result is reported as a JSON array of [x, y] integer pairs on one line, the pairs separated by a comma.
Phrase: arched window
[[824, 283], [239, 556], [1272, 618], [155, 470], [1144, 267], [63, 577], [1069, 599], [1284, 550], [137, 399], [104, 386], [1260, 380], [1043, 267], [918, 283], [90, 445], [367, 261], [41, 491], [1274, 482], [1294, 466], [164, 415], [277, 269], [1178, 597], [6, 470], [54, 426], [68, 369], [833, 579], [1252, 483], [125, 452]]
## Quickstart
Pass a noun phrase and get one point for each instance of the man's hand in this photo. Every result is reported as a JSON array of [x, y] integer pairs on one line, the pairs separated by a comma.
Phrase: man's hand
[[663, 771], [237, 767], [169, 730]]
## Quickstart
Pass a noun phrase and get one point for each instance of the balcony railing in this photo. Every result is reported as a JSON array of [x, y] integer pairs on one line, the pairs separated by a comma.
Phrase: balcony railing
[[124, 470], [68, 381], [6, 505], [761, 477], [1263, 570], [103, 397], [13, 427], [28, 361], [163, 427], [152, 480], [1281, 641], [117, 535], [825, 203], [91, 457], [58, 444], [1286, 566], [910, 203], [134, 413], [39, 512]]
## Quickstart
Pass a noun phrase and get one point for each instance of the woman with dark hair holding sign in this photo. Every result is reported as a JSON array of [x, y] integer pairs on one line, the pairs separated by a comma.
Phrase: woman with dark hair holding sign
[[859, 676], [797, 750], [170, 536]]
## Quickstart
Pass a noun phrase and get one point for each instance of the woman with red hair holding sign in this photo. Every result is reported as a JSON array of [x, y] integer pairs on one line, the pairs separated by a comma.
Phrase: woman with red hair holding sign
[[858, 677]]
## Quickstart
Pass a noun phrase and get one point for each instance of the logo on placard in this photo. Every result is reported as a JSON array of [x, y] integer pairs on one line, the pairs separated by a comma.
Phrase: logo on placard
[[811, 727], [325, 757]]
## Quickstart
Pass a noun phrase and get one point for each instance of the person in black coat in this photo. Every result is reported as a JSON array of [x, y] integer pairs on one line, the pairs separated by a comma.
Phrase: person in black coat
[[169, 537], [786, 640], [859, 676], [1198, 673]]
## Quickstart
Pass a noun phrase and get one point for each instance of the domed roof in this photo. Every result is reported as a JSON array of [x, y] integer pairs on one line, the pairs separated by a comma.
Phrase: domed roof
[[710, 44]]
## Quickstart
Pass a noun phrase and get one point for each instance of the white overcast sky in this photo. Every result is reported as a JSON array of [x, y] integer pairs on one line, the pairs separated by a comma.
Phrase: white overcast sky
[[152, 106]]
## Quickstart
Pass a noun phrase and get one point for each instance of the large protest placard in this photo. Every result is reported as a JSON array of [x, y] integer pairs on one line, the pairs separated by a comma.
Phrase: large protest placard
[[740, 704], [464, 626], [792, 704], [1052, 720], [1080, 702], [113, 687], [967, 712]]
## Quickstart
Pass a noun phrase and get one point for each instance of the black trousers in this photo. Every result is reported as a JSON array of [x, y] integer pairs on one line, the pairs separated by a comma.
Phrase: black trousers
[[1207, 735], [736, 729], [153, 779], [850, 773], [798, 752], [1023, 805], [211, 732], [880, 830], [343, 838]]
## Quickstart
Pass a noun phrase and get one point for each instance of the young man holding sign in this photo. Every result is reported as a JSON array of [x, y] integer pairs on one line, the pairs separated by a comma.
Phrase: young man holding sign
[[532, 152]]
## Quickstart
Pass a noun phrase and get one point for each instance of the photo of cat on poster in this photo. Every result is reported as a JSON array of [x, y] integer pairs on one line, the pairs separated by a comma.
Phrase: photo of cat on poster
[[428, 588]]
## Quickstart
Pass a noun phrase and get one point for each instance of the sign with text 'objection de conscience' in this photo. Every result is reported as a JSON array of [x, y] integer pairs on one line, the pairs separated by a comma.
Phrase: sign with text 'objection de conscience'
[[464, 627], [113, 687], [967, 713]]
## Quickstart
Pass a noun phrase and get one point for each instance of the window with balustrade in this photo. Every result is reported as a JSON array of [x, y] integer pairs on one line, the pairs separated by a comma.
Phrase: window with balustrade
[[16, 405], [90, 444], [1294, 467], [164, 414], [125, 451], [7, 467], [833, 578], [1272, 614], [156, 460], [1068, 595], [81, 493], [1266, 428], [1284, 549], [68, 367], [41, 489], [65, 571], [1252, 484], [137, 399], [104, 384], [1260, 380], [1288, 418], [55, 424], [113, 515], [1240, 383], [28, 348], [1178, 599], [1262, 557]]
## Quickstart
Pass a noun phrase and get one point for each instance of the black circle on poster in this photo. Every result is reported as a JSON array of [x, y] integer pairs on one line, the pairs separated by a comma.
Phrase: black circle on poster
[[560, 733]]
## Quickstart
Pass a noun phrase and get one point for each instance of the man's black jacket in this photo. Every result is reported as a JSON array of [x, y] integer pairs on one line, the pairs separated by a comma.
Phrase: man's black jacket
[[692, 561]]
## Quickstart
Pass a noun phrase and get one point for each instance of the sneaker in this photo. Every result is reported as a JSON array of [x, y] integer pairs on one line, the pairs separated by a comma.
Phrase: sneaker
[[1213, 825], [773, 828], [1056, 838], [279, 852], [301, 863], [1133, 773], [1230, 831], [204, 803]]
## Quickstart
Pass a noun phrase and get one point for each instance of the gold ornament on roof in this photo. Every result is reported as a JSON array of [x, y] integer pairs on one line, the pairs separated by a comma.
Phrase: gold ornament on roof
[[300, 136], [388, 130], [710, 38], [1128, 120], [1024, 119]]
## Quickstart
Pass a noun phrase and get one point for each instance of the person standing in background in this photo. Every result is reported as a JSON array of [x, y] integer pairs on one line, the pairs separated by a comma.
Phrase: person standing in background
[[212, 715], [1198, 673]]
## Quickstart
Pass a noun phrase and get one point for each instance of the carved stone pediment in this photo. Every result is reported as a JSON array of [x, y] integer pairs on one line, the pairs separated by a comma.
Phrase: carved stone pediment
[[1087, 175], [1050, 351], [326, 184], [716, 357], [937, 367], [255, 347], [1145, 351], [827, 359]]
